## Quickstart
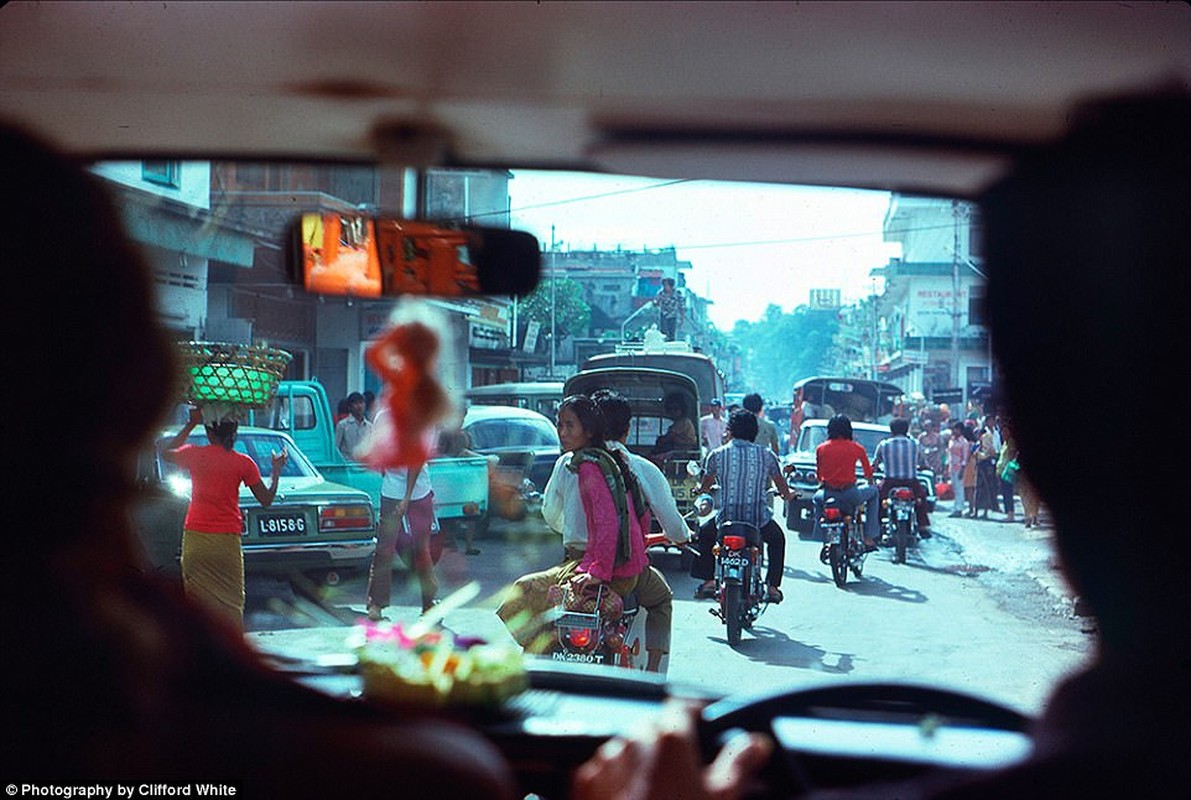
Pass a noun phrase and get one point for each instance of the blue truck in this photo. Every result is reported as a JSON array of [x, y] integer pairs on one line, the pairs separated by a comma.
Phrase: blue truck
[[303, 410]]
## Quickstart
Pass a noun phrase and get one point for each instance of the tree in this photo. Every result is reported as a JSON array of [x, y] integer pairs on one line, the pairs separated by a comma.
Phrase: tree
[[781, 348], [571, 312]]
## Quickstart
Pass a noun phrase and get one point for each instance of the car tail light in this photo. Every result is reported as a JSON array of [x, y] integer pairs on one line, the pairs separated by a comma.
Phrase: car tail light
[[832, 514], [734, 542], [579, 637], [471, 509], [345, 518]]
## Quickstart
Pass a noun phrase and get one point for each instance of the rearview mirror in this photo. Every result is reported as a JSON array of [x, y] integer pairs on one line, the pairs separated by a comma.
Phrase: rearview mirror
[[386, 256]]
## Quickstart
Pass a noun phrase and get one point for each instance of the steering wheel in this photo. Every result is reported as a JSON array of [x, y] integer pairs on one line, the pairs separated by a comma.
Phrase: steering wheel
[[784, 775]]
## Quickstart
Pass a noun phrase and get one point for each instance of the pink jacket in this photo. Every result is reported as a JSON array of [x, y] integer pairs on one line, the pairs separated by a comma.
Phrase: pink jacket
[[603, 529]]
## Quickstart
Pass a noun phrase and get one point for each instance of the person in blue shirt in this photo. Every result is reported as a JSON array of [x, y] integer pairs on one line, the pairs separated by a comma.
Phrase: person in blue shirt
[[743, 471], [899, 457]]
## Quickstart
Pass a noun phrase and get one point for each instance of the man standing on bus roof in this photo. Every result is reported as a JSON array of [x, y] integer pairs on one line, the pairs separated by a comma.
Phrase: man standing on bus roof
[[671, 308]]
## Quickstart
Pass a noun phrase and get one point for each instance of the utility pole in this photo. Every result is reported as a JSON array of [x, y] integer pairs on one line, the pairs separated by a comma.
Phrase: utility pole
[[956, 213], [553, 299]]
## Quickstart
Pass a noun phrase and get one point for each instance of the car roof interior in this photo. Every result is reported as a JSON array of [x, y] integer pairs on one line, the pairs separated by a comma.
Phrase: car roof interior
[[929, 97]]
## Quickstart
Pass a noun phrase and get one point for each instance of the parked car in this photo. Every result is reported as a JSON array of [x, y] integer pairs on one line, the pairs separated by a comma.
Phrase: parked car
[[802, 474], [313, 525], [524, 441]]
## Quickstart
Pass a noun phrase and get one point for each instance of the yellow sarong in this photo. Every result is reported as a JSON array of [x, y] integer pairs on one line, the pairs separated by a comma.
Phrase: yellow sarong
[[213, 573]]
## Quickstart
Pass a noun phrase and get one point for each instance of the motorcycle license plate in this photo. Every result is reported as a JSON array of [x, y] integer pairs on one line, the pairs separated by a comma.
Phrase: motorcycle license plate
[[734, 560], [280, 524]]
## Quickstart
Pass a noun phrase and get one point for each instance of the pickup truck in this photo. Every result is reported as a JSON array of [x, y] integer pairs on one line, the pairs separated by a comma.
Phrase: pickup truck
[[303, 410]]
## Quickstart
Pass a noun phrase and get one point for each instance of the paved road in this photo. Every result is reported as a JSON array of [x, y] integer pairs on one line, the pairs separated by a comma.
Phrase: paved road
[[977, 608]]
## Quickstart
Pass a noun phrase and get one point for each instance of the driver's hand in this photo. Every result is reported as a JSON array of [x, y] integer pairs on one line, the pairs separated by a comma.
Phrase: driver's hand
[[662, 761]]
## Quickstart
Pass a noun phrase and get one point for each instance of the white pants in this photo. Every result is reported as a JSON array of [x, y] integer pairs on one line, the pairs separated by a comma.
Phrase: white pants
[[957, 485]]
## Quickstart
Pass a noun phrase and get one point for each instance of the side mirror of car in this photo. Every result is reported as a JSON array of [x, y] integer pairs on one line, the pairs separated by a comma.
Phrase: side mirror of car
[[365, 255]]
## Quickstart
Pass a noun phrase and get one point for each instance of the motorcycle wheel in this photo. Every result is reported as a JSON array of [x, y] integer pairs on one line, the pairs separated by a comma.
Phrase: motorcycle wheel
[[734, 612], [838, 556], [901, 538]]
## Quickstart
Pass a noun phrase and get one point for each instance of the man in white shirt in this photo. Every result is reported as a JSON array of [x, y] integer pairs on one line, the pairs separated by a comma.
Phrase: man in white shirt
[[713, 426], [562, 509], [766, 431], [352, 430]]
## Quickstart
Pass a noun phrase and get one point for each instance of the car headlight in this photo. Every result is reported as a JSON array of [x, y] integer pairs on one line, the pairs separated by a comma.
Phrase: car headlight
[[179, 485]]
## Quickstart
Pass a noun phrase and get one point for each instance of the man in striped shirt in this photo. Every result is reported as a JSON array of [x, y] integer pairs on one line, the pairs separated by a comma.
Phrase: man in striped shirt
[[899, 457], [743, 471]]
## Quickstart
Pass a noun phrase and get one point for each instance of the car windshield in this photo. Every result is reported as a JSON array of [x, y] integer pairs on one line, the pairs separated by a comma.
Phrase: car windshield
[[814, 435], [257, 446], [493, 434], [776, 284]]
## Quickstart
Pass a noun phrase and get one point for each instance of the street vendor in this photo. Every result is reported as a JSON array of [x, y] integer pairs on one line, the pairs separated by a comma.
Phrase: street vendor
[[212, 559]]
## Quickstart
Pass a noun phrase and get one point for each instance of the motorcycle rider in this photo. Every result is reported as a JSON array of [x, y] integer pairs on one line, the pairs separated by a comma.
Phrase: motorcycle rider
[[835, 463], [900, 456], [562, 510], [743, 470]]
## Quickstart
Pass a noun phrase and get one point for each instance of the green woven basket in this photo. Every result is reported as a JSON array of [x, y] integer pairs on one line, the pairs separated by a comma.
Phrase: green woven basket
[[241, 374]]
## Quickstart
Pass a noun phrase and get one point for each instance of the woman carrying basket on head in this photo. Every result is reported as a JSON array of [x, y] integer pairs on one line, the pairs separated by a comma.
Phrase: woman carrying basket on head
[[212, 561]]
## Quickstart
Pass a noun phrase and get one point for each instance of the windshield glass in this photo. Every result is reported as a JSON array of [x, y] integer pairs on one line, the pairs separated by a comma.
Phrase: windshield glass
[[493, 434], [814, 435], [257, 446], [767, 285]]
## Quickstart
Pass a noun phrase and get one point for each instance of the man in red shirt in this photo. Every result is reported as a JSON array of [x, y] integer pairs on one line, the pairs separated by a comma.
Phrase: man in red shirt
[[836, 461]]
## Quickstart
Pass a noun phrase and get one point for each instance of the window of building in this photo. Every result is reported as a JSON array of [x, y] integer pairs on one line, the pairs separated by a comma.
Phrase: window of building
[[976, 315], [162, 173]]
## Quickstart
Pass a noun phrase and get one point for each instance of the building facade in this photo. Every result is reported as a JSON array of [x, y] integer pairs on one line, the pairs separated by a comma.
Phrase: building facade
[[927, 327]]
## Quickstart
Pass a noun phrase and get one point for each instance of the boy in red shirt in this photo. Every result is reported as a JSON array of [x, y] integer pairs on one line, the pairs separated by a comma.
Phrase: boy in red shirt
[[836, 461]]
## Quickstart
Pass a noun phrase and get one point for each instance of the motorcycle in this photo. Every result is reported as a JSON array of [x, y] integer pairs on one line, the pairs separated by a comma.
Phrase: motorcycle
[[598, 631], [740, 577], [901, 521], [843, 540]]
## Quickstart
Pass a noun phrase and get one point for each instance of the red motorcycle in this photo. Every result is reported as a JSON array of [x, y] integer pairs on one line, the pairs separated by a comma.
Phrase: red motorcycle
[[598, 629]]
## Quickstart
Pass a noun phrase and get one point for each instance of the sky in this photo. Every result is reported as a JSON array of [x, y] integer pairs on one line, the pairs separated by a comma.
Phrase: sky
[[749, 245]]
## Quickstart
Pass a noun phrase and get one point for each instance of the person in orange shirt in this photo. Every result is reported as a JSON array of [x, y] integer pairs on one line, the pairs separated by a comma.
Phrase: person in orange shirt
[[835, 461]]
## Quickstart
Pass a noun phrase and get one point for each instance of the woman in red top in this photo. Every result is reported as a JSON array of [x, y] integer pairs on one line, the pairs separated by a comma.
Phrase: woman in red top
[[212, 561], [836, 461]]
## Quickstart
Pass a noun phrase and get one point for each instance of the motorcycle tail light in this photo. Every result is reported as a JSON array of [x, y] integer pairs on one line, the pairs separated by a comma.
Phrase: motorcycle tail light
[[734, 542], [579, 637], [903, 493], [832, 514]]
